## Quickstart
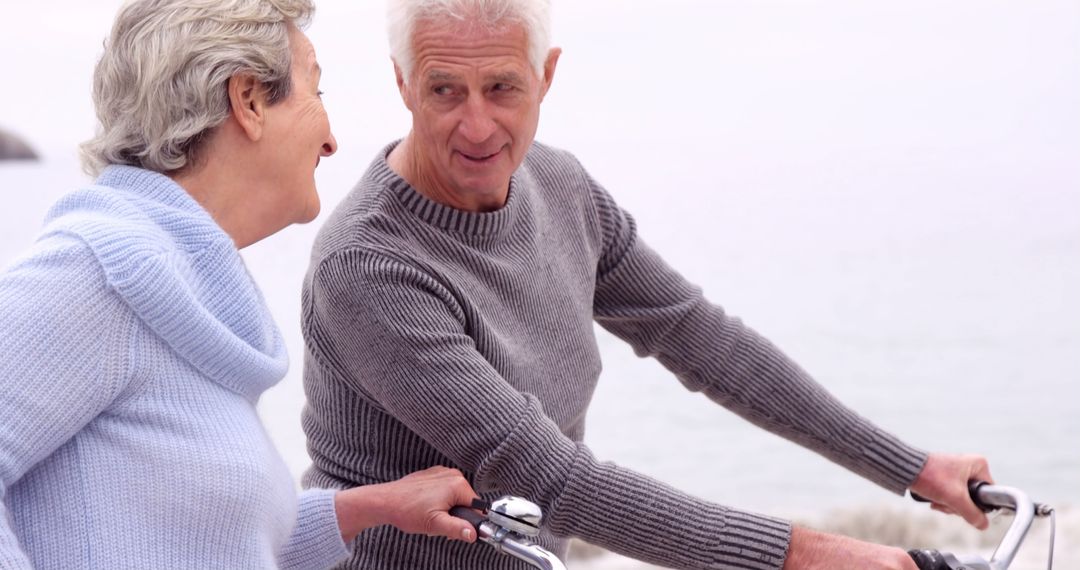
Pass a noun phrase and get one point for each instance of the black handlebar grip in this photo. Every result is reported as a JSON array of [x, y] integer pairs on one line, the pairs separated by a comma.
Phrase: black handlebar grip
[[468, 514], [929, 559], [973, 490]]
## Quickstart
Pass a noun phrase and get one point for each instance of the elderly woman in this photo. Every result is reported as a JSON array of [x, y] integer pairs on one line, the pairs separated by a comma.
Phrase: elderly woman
[[134, 344]]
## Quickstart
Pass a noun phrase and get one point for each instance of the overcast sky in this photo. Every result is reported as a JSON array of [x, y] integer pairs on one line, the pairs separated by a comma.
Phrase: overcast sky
[[802, 73]]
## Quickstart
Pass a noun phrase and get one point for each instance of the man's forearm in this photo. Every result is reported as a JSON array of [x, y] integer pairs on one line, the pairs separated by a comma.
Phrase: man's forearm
[[651, 306], [813, 550], [634, 515]]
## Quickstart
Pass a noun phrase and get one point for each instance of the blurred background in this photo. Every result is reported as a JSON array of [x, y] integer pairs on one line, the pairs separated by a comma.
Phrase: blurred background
[[890, 191]]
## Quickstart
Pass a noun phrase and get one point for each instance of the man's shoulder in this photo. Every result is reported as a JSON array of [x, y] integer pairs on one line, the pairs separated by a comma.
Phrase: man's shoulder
[[559, 174], [543, 157], [367, 217], [564, 182]]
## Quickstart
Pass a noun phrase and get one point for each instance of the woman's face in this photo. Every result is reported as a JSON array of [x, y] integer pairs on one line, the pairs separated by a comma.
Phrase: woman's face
[[297, 137]]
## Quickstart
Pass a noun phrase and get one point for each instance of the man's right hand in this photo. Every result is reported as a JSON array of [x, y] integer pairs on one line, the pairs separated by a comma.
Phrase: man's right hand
[[812, 550]]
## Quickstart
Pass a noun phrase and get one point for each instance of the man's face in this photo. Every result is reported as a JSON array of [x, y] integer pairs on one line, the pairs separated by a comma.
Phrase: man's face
[[475, 100]]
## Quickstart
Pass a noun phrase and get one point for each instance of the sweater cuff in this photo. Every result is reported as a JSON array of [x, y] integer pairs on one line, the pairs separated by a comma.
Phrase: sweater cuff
[[316, 541], [635, 516], [904, 462]]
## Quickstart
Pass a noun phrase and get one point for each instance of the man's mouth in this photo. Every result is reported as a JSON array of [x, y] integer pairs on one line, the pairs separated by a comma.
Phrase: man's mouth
[[479, 158]]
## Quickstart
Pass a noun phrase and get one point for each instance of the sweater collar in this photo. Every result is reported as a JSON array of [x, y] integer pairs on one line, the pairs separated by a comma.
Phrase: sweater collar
[[450, 219], [180, 273]]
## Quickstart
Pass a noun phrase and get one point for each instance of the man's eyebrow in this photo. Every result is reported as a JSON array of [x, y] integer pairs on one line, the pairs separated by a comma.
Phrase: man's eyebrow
[[317, 68], [437, 76], [508, 77]]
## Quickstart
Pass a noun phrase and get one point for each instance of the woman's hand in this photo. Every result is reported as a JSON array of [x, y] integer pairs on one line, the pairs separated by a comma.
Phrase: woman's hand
[[416, 504]]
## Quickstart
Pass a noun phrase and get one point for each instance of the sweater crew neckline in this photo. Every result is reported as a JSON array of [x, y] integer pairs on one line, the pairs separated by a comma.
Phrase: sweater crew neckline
[[448, 218]]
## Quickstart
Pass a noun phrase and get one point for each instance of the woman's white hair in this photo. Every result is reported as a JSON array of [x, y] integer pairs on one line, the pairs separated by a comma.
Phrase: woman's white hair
[[533, 15], [161, 86]]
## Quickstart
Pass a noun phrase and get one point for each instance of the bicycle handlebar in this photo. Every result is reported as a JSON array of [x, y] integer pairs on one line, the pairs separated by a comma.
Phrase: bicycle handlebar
[[500, 534], [468, 514], [507, 523], [988, 498]]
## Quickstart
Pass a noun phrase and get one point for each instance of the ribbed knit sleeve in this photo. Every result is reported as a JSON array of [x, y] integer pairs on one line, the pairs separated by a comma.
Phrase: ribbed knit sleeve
[[395, 334], [391, 332], [316, 541], [643, 301], [63, 345]]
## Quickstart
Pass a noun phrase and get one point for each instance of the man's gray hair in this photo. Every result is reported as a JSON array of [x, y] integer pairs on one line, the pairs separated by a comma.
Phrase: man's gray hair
[[161, 87], [533, 15]]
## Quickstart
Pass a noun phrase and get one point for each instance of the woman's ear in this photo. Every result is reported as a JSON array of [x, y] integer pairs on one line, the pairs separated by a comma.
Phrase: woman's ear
[[248, 104]]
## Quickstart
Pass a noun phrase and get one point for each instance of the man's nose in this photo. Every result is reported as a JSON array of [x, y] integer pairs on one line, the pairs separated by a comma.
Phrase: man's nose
[[477, 123]]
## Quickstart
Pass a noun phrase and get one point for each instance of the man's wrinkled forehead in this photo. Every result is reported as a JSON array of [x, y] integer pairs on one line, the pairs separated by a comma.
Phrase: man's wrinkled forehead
[[466, 28], [446, 53]]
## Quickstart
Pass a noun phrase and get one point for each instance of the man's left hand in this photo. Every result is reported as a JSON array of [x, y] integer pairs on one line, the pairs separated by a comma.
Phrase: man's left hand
[[944, 481]]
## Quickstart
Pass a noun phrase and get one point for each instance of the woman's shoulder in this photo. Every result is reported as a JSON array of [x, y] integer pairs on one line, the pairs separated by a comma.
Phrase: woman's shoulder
[[58, 263], [54, 288]]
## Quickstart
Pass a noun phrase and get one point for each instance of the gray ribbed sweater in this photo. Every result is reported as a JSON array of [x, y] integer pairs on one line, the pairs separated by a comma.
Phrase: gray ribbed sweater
[[437, 336]]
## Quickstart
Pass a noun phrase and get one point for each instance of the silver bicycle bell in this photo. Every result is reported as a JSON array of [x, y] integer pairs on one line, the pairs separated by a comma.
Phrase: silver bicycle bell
[[516, 515]]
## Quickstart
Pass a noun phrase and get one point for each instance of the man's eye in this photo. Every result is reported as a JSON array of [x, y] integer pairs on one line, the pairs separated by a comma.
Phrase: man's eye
[[442, 90], [503, 87], [320, 94]]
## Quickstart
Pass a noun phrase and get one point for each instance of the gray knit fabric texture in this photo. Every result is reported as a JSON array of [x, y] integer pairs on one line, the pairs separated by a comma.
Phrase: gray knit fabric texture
[[436, 336]]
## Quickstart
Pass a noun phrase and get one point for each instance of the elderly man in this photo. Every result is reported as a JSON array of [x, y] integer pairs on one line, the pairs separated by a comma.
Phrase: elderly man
[[448, 315]]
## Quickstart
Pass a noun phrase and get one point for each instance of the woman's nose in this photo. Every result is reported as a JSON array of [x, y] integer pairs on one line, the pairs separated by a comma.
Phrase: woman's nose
[[329, 147]]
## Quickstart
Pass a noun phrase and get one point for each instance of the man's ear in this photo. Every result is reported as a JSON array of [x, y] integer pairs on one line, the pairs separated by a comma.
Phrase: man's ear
[[248, 104], [402, 87], [549, 70]]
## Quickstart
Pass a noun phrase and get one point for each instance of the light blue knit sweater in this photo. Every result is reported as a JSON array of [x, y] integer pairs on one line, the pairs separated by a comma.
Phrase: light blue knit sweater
[[133, 349]]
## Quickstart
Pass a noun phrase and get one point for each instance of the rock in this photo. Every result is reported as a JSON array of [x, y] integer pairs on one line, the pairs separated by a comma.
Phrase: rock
[[13, 148]]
